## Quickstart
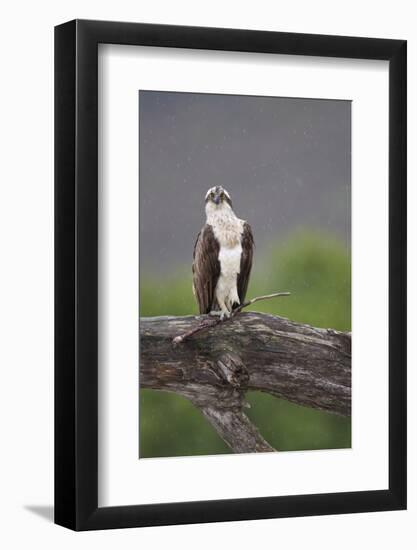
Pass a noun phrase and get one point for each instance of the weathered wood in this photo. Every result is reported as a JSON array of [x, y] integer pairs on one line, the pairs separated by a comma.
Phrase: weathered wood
[[235, 428], [253, 351]]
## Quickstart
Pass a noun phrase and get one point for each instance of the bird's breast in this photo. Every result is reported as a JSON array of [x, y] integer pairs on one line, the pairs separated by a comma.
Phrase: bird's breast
[[229, 258], [228, 232]]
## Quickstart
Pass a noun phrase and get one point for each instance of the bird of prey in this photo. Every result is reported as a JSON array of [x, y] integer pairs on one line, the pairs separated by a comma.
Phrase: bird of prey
[[222, 259]]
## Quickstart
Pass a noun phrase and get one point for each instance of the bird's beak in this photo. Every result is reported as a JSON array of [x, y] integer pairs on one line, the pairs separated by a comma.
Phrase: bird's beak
[[216, 199]]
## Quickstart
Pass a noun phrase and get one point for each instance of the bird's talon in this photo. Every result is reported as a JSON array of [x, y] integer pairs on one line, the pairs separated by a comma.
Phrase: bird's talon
[[215, 313]]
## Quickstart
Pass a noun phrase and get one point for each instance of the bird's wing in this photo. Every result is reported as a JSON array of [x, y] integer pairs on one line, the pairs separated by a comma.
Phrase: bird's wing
[[245, 261], [206, 268]]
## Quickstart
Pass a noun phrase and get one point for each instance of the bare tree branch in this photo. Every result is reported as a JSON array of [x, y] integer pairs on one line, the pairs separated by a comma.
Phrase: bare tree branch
[[235, 428], [213, 321], [308, 366]]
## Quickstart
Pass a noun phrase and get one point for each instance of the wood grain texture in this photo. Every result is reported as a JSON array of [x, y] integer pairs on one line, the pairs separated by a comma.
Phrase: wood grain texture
[[253, 351]]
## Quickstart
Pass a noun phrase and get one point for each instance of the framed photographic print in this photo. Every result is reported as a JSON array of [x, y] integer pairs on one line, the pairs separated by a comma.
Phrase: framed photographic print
[[230, 252]]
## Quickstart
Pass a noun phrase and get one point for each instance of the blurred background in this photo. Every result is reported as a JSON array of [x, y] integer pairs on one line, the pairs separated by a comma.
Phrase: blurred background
[[286, 162]]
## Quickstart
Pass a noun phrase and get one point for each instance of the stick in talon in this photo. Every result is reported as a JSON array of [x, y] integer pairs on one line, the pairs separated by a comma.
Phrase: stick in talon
[[209, 323]]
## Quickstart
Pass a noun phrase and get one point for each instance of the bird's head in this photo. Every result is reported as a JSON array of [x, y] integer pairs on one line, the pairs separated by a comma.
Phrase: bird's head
[[218, 198]]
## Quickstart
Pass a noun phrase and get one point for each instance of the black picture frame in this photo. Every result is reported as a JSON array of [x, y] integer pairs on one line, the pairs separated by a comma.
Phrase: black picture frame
[[76, 272]]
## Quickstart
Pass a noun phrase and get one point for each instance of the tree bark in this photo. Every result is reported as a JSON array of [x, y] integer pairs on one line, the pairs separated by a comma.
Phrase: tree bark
[[253, 351]]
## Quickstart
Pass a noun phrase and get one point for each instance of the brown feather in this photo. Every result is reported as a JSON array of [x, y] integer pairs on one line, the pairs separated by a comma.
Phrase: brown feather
[[245, 262], [206, 269]]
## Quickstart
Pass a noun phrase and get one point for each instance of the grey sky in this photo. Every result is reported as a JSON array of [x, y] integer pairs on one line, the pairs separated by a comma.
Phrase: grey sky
[[286, 163]]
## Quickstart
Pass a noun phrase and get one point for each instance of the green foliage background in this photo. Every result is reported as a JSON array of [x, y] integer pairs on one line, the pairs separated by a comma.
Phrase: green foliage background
[[316, 269]]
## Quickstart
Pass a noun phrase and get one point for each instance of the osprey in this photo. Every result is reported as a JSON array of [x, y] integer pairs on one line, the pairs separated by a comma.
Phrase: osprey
[[222, 258]]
